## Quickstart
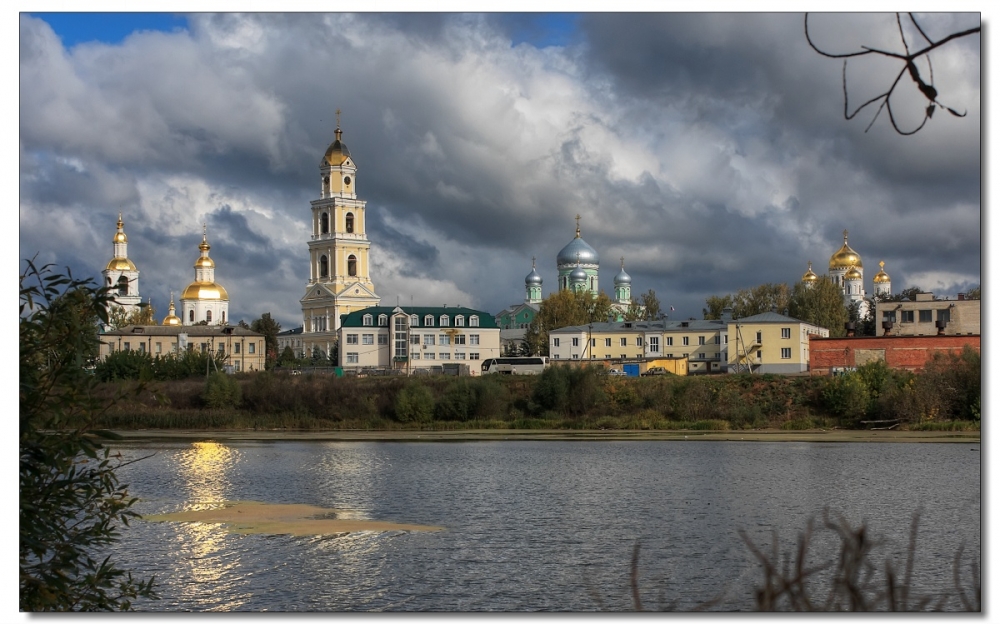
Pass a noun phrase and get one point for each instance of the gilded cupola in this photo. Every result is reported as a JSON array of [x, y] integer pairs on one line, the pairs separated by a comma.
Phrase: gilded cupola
[[171, 318], [845, 257], [204, 287], [881, 277], [809, 277]]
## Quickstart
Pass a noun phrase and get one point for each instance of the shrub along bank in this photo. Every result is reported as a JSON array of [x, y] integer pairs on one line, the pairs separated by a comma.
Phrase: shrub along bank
[[946, 395]]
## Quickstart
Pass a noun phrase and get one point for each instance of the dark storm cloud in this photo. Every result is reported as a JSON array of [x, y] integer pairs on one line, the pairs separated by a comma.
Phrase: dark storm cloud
[[707, 149]]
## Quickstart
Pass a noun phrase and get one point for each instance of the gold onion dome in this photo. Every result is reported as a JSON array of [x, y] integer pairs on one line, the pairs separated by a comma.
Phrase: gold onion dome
[[881, 277], [171, 318], [853, 274], [120, 234], [204, 289], [337, 153], [121, 264], [809, 276], [845, 257]]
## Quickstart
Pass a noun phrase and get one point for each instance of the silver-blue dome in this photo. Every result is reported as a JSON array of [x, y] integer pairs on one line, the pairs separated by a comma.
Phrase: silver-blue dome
[[533, 278], [623, 277], [568, 255], [578, 275]]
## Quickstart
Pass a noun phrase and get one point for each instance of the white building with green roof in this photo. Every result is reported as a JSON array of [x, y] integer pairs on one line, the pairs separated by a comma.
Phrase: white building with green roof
[[412, 338]]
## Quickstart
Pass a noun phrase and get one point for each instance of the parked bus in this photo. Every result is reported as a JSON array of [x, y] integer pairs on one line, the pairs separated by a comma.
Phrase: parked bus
[[515, 365]]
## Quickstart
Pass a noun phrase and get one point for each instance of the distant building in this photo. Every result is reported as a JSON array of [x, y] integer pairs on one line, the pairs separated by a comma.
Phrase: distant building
[[409, 338], [244, 349], [921, 317], [292, 338], [121, 275], [848, 272], [912, 353], [769, 343], [204, 300]]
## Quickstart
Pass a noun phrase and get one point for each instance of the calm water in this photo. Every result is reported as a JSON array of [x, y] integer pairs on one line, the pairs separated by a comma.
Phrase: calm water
[[531, 525]]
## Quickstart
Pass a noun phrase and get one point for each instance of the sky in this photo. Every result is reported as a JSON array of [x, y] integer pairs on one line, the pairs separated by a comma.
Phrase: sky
[[708, 150]]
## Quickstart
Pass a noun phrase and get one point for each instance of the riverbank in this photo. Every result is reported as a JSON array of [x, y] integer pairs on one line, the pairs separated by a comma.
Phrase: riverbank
[[493, 435]]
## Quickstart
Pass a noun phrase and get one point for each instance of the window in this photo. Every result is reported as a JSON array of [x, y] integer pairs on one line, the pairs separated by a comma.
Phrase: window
[[252, 348], [444, 339], [760, 355], [576, 356], [383, 320], [926, 316], [443, 320], [352, 339], [670, 355], [191, 316], [460, 339], [685, 340], [593, 342], [889, 316], [349, 223], [638, 341], [429, 320], [474, 339], [670, 341], [236, 348], [445, 355], [473, 321], [142, 347], [576, 342], [208, 316], [786, 353], [607, 342], [429, 355], [654, 344], [717, 340], [122, 285], [555, 356], [701, 356], [415, 339], [459, 355], [786, 332], [324, 266], [906, 316], [399, 340], [352, 357], [759, 340], [415, 355], [223, 317], [414, 321], [366, 320], [459, 321], [623, 341], [159, 347], [352, 265], [701, 340], [429, 340], [944, 315], [473, 356], [324, 221], [555, 343], [221, 348], [383, 339], [368, 339], [622, 356], [127, 347]]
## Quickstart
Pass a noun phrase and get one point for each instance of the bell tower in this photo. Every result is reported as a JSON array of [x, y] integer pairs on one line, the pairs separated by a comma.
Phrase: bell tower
[[339, 269], [120, 275]]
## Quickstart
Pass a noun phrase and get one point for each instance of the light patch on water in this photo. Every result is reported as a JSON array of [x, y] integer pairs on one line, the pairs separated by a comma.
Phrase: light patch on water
[[289, 519]]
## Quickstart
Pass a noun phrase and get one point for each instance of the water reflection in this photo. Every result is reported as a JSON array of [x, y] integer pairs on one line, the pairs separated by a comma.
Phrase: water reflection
[[205, 469]]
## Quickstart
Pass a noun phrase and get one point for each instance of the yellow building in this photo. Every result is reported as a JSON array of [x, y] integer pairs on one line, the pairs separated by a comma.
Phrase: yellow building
[[241, 348], [769, 343]]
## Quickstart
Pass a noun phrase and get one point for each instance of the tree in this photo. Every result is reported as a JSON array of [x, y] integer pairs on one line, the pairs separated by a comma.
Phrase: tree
[[974, 293], [908, 65], [71, 502], [821, 304], [749, 301], [144, 314], [270, 328], [563, 309], [645, 308]]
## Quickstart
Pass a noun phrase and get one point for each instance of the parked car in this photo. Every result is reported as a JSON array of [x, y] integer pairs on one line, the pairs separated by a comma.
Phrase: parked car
[[656, 370], [617, 373]]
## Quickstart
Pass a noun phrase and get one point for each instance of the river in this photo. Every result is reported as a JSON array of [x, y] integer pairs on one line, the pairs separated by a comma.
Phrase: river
[[533, 525]]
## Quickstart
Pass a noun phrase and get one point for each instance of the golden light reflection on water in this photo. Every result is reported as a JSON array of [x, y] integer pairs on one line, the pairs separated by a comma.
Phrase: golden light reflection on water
[[212, 568], [205, 468]]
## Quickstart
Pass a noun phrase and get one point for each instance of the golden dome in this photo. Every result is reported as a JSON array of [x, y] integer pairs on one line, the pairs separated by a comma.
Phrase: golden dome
[[204, 262], [853, 274], [120, 234], [121, 264], [881, 277], [204, 291], [809, 276], [845, 257], [337, 153], [171, 318]]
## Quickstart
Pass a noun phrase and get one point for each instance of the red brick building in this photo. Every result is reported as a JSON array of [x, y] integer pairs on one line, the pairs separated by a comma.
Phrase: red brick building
[[909, 352]]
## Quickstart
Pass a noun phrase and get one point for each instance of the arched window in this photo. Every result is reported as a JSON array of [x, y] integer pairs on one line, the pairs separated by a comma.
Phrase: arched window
[[109, 281], [429, 320], [366, 320], [473, 321], [208, 316], [444, 320], [191, 316], [414, 321], [122, 285], [383, 320], [324, 224], [349, 222], [326, 184], [459, 321], [223, 317], [352, 265], [324, 266]]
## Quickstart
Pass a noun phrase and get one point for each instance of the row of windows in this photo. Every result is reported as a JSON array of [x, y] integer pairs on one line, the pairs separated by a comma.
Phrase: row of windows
[[924, 316], [352, 356], [428, 339], [352, 266], [324, 223], [158, 347], [443, 321]]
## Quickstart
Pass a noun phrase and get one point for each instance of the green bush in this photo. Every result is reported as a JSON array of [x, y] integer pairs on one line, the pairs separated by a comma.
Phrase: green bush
[[414, 403], [221, 390]]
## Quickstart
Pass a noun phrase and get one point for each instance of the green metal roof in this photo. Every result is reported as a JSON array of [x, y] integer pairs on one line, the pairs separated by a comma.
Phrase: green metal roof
[[355, 319]]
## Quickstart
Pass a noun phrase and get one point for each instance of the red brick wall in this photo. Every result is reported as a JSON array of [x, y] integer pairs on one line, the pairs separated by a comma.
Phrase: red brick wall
[[910, 352]]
